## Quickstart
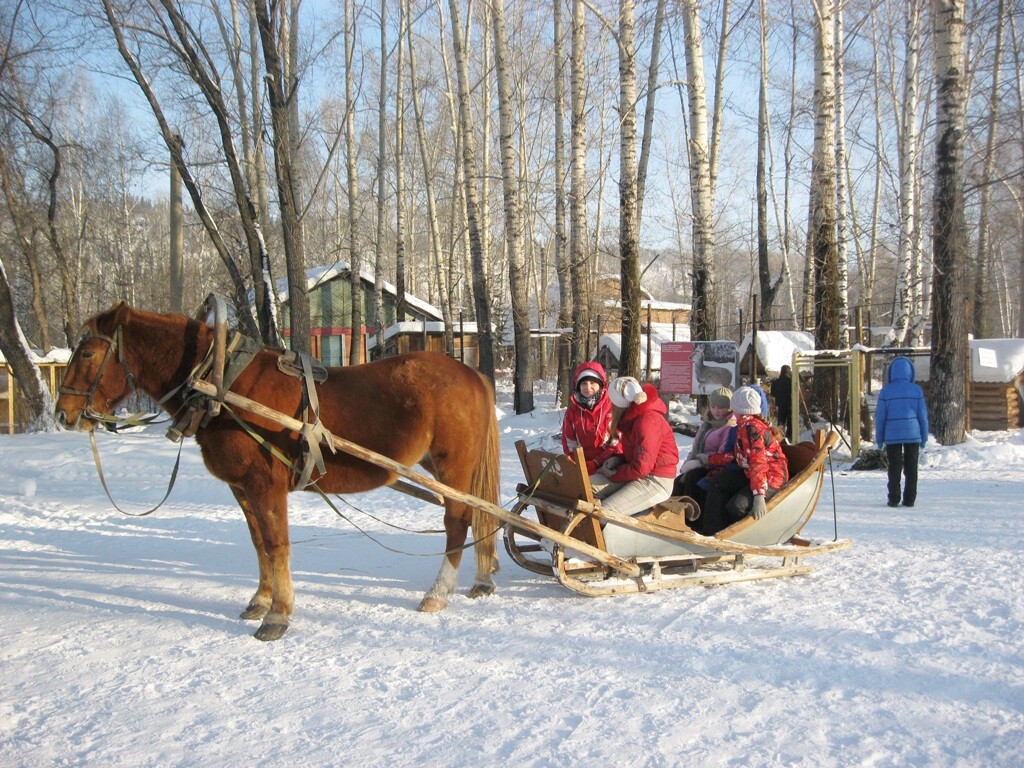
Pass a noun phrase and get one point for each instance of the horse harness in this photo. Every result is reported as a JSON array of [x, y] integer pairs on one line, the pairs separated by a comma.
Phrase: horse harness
[[200, 408]]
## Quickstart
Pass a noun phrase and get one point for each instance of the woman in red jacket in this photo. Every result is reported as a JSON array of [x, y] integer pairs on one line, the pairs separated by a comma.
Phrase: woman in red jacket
[[643, 475], [734, 495], [588, 417]]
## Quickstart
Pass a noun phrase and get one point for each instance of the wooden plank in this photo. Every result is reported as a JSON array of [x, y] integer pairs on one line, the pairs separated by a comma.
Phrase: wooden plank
[[239, 401]]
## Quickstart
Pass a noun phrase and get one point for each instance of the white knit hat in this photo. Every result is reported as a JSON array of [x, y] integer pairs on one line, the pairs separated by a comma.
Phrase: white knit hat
[[746, 401], [625, 391]]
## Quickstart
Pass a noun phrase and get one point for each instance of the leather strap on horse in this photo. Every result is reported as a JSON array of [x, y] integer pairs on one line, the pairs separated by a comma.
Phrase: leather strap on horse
[[103, 482]]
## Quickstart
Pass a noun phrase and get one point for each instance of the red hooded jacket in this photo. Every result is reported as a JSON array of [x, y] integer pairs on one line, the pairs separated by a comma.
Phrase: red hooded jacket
[[647, 442], [589, 428]]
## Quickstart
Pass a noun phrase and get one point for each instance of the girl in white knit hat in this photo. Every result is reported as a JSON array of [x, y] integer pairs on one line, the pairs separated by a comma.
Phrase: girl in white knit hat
[[644, 473]]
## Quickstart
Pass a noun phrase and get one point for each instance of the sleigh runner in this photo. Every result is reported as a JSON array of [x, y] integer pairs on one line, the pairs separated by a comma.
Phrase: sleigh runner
[[668, 553]]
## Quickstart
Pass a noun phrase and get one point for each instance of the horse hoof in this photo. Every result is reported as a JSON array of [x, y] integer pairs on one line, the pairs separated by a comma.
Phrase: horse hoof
[[481, 590], [268, 632], [432, 605]]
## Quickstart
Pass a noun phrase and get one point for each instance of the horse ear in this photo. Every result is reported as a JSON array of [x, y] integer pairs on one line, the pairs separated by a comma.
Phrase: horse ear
[[120, 311]]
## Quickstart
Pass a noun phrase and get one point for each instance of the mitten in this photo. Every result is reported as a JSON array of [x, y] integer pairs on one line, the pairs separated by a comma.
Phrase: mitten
[[758, 509], [690, 464], [704, 458]]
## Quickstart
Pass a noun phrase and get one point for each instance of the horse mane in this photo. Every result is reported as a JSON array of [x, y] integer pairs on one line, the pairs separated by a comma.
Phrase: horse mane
[[159, 363]]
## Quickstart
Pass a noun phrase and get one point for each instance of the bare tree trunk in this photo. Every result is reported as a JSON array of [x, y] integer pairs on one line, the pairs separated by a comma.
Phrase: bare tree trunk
[[382, 138], [983, 264], [15, 349], [177, 245], [579, 340], [823, 205], [766, 286], [842, 163], [428, 183], [629, 245], [908, 144], [704, 317], [649, 105], [400, 236], [480, 290], [561, 254], [522, 372], [355, 251], [950, 359]]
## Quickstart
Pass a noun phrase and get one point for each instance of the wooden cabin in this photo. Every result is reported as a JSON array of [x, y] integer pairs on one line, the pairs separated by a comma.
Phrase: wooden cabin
[[330, 309], [996, 386], [13, 418]]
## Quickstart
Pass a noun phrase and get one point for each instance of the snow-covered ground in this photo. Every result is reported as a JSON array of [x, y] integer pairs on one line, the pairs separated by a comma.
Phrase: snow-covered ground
[[121, 647]]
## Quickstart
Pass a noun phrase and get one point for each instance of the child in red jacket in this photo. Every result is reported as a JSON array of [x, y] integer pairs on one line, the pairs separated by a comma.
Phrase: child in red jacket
[[588, 417], [734, 495], [643, 475]]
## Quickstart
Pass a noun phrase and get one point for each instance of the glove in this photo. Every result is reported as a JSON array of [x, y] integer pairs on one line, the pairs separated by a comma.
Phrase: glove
[[703, 458], [758, 509], [690, 464], [923, 443], [610, 465]]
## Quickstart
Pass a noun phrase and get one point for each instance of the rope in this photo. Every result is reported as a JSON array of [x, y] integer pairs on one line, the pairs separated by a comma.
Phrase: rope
[[103, 482]]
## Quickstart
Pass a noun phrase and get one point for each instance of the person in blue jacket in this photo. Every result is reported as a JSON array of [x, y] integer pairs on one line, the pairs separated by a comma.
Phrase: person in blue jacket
[[901, 425]]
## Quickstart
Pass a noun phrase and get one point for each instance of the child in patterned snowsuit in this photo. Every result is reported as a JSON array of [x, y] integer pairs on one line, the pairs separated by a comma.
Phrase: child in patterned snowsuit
[[734, 495]]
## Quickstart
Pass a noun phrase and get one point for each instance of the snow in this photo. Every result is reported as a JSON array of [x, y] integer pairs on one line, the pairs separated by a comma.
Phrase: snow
[[121, 645], [775, 349]]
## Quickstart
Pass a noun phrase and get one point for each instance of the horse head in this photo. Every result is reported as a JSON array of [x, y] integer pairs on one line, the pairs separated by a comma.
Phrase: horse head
[[97, 378]]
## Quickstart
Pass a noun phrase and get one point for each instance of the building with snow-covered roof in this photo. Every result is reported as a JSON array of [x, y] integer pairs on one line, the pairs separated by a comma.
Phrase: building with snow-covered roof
[[609, 346], [771, 350], [330, 310], [996, 397]]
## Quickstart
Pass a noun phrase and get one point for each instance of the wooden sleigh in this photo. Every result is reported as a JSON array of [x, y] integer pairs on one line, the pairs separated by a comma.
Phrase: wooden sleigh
[[668, 553]]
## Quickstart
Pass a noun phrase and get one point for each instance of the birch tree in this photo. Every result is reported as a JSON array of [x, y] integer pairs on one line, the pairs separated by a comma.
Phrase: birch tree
[[950, 358], [481, 297], [522, 371], [629, 236], [577, 185], [983, 262], [703, 317], [907, 141]]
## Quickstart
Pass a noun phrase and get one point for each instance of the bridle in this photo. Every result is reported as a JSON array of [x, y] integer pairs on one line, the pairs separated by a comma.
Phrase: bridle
[[114, 351]]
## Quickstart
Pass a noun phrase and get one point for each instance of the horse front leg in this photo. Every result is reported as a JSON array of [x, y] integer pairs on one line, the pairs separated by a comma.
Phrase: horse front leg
[[436, 598], [259, 605], [269, 511]]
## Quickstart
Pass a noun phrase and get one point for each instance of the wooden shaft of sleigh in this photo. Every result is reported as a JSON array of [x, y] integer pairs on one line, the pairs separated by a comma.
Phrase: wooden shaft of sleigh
[[231, 398]]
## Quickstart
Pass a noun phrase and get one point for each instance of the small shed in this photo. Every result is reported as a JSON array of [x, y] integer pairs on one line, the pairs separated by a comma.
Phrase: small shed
[[414, 336], [997, 383], [771, 350], [12, 409], [609, 346]]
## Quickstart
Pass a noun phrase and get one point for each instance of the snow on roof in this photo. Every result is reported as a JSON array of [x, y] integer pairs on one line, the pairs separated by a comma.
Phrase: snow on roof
[[318, 275], [660, 333], [993, 361], [775, 348], [55, 355], [416, 326]]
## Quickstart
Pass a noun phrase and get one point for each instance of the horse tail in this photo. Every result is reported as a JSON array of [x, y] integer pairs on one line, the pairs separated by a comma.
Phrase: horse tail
[[485, 485]]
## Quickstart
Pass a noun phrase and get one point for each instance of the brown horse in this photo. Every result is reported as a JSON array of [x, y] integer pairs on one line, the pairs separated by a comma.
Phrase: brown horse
[[421, 407]]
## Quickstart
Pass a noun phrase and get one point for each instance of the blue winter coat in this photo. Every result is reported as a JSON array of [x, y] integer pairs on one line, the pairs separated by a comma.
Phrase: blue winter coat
[[901, 416]]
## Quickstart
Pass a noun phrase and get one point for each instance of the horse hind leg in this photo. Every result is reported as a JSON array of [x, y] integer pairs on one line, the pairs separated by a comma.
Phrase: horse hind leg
[[436, 598], [485, 533]]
